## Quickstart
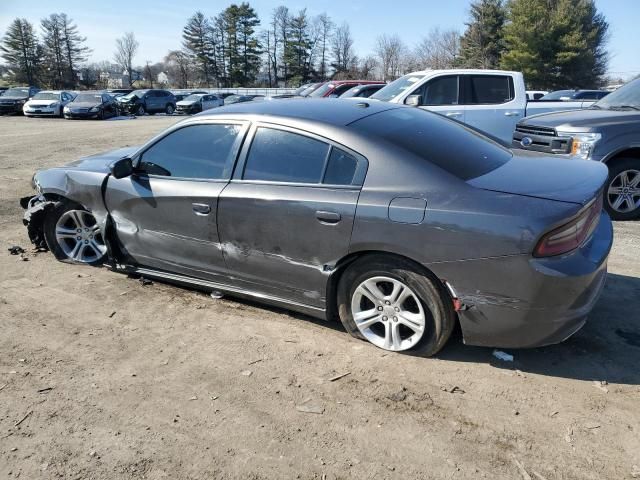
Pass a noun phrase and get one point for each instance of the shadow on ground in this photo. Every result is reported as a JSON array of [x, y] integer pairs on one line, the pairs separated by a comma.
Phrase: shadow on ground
[[607, 347]]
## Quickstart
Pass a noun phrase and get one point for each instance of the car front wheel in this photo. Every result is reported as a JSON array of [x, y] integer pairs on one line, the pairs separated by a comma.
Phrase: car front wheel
[[140, 110], [391, 303], [73, 235], [622, 195]]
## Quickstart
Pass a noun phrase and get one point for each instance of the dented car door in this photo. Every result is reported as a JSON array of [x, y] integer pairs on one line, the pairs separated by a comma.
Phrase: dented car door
[[286, 217]]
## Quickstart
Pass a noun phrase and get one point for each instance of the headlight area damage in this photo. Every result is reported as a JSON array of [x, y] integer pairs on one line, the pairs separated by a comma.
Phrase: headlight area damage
[[36, 209]]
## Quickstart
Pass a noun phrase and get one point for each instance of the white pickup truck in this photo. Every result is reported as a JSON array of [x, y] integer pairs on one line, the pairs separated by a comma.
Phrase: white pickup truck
[[490, 100]]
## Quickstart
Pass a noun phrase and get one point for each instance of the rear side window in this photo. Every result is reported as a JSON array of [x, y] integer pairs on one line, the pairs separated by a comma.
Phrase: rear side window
[[281, 156], [489, 89], [198, 151], [341, 168], [455, 148]]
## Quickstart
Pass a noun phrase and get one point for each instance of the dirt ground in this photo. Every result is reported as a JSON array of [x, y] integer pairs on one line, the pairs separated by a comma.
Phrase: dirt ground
[[104, 378]]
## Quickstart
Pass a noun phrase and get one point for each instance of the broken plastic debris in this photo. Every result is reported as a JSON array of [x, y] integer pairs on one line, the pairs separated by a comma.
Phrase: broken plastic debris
[[504, 356], [16, 250], [216, 295]]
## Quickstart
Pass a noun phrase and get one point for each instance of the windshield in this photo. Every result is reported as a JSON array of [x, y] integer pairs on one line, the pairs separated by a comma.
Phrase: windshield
[[626, 96], [397, 87], [323, 90], [17, 92], [88, 98], [559, 95], [301, 89], [135, 93], [430, 137], [192, 98], [46, 96]]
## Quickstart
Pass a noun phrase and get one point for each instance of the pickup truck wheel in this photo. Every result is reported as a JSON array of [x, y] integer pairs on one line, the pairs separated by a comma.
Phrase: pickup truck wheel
[[622, 194]]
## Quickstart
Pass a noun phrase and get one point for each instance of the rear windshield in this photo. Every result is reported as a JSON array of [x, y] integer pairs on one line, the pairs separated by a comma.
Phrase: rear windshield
[[450, 145]]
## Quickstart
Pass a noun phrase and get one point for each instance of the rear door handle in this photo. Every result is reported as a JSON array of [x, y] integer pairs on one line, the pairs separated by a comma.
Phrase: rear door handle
[[201, 208], [328, 217], [453, 114], [512, 114]]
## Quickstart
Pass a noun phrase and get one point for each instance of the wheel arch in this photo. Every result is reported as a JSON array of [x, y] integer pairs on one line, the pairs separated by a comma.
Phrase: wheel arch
[[343, 264], [632, 151]]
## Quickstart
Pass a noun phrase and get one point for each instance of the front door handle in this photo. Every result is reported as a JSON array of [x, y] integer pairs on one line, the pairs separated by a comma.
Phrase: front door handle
[[512, 114], [201, 208], [328, 217], [453, 114]]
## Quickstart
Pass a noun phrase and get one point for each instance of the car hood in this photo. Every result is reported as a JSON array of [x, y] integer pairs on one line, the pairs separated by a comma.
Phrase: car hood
[[42, 102], [102, 161], [83, 104], [186, 104], [582, 120], [544, 176], [4, 97]]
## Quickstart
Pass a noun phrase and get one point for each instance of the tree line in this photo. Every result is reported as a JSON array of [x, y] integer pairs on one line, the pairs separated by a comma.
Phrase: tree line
[[555, 43]]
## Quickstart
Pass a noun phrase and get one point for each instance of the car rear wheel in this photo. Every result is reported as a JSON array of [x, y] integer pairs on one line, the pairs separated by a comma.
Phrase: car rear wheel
[[391, 303], [169, 109], [622, 195], [73, 235]]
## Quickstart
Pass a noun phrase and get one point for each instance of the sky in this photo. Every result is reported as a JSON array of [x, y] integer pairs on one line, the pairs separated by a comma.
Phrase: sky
[[158, 23]]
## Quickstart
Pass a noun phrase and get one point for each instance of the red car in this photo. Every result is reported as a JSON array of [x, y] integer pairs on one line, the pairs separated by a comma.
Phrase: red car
[[338, 87]]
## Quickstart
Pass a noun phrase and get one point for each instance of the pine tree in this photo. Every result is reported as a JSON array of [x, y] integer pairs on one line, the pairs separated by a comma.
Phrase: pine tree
[[22, 51], [74, 49], [482, 44], [250, 48], [556, 43], [297, 50], [198, 42], [54, 66]]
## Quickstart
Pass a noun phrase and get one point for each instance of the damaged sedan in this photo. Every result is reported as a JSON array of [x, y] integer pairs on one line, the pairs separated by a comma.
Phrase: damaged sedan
[[396, 221]]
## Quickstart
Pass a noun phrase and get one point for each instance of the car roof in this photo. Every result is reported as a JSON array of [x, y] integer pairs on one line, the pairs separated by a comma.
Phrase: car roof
[[332, 111]]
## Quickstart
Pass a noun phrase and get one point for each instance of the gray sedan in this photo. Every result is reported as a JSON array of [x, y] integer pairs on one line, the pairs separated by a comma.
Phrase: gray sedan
[[397, 221]]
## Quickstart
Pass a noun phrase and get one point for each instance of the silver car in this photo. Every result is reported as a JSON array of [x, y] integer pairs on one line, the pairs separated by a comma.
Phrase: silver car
[[397, 221]]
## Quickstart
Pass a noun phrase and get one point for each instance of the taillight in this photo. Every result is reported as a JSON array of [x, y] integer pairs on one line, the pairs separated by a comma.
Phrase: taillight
[[570, 236]]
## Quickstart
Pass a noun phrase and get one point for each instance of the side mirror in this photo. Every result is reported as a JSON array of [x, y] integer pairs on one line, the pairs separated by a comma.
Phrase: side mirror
[[413, 100], [122, 168]]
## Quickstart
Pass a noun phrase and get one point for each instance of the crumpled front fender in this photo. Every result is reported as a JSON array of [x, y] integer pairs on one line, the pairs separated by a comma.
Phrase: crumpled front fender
[[36, 209]]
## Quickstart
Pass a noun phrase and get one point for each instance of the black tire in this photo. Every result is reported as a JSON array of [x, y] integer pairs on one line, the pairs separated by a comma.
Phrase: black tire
[[616, 168], [140, 110], [49, 230], [101, 114], [169, 109], [436, 301]]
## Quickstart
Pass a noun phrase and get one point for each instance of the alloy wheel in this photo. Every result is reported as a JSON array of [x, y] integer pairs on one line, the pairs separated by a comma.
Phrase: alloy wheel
[[623, 193], [140, 110], [388, 313], [79, 236]]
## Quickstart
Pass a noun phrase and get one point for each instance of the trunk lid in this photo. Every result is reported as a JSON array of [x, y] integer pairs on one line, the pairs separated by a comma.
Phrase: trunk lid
[[543, 176]]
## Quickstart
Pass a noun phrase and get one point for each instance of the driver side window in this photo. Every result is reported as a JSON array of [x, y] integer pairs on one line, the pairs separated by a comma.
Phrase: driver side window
[[197, 151], [439, 91]]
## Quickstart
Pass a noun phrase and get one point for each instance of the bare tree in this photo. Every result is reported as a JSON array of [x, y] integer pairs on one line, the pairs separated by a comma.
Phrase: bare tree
[[325, 27], [367, 68], [179, 67], [391, 53], [438, 50], [342, 49], [126, 49]]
